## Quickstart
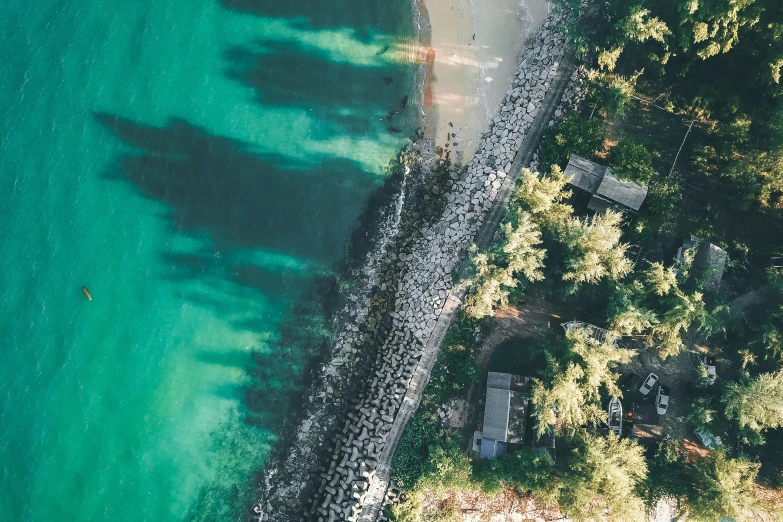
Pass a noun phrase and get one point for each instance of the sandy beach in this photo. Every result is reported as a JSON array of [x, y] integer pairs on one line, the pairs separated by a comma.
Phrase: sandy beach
[[471, 50]]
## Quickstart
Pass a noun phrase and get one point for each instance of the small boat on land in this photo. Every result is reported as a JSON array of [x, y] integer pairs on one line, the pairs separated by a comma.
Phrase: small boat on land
[[615, 416], [87, 293]]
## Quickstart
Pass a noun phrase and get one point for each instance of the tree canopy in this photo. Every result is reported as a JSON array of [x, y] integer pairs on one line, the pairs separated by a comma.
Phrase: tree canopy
[[756, 403], [572, 399], [602, 476]]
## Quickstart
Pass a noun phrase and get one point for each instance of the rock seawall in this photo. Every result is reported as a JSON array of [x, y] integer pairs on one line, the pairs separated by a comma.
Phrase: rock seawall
[[339, 466]]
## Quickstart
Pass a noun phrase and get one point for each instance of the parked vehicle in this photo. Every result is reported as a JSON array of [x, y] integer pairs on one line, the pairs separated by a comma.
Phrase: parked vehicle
[[662, 400], [707, 440], [709, 363], [648, 384], [630, 382], [615, 416]]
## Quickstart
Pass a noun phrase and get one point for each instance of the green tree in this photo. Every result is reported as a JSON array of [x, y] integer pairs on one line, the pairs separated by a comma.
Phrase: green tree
[[680, 312], [668, 474], [756, 403], [447, 468], [573, 135], [661, 280], [490, 285], [760, 173], [595, 250], [411, 456], [721, 487], [630, 160], [563, 403], [495, 273], [701, 413], [613, 93], [543, 196], [627, 312], [573, 398], [602, 474], [663, 209], [521, 470], [455, 371], [519, 247], [598, 360]]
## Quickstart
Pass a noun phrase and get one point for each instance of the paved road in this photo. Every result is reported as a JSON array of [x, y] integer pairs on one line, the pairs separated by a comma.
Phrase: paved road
[[483, 239]]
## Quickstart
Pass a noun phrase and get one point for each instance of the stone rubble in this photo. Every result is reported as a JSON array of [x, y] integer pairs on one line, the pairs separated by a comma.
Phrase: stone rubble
[[380, 353]]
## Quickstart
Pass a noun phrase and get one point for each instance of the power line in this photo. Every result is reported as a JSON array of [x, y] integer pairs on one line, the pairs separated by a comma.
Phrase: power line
[[678, 150]]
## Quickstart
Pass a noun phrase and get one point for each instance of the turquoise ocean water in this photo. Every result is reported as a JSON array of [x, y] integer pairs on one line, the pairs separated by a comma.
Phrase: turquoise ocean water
[[199, 165]]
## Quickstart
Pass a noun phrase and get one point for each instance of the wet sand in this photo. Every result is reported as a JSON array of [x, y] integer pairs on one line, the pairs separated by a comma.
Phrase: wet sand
[[471, 50]]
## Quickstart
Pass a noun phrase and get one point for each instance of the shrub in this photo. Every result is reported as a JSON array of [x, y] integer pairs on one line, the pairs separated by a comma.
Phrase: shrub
[[630, 160], [573, 135]]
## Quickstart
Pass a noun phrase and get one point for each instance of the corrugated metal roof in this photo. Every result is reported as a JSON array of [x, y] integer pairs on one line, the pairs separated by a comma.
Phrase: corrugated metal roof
[[627, 193], [501, 381], [584, 173], [496, 410], [600, 181]]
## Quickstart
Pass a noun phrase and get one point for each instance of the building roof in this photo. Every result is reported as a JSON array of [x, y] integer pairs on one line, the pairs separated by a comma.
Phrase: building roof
[[501, 381], [709, 259], [627, 193], [599, 205], [505, 409], [496, 410], [604, 185], [584, 173], [491, 449]]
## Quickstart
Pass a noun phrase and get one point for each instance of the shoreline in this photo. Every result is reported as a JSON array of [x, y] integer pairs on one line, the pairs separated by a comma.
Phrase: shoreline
[[469, 50], [337, 461]]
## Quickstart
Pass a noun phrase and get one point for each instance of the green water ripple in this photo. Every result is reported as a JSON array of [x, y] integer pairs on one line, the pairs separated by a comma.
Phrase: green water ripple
[[199, 166]]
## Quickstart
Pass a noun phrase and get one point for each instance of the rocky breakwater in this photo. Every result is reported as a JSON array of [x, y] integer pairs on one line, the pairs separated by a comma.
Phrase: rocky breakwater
[[382, 363]]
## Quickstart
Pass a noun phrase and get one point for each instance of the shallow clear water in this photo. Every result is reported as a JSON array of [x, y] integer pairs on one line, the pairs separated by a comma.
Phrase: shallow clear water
[[199, 165]]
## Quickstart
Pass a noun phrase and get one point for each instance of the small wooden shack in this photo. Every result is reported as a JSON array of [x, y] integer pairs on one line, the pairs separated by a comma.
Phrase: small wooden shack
[[608, 192], [709, 261]]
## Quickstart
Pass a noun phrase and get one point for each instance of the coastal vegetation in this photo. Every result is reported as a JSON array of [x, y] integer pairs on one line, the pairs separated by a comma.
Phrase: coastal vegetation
[[687, 100]]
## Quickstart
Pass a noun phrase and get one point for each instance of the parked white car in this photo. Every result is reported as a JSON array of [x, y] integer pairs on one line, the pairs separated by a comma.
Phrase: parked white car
[[707, 440], [709, 363], [662, 400], [648, 384]]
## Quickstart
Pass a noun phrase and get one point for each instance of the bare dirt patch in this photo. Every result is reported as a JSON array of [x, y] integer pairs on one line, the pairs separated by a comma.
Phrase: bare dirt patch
[[528, 320], [506, 506], [678, 373]]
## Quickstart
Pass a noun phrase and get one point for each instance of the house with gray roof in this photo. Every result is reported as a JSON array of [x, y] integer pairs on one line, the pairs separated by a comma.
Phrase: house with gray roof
[[505, 413], [709, 261], [608, 191]]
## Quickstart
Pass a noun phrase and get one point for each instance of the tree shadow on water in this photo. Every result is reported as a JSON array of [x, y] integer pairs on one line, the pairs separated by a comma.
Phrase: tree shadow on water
[[368, 17], [241, 199], [344, 97], [245, 201]]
